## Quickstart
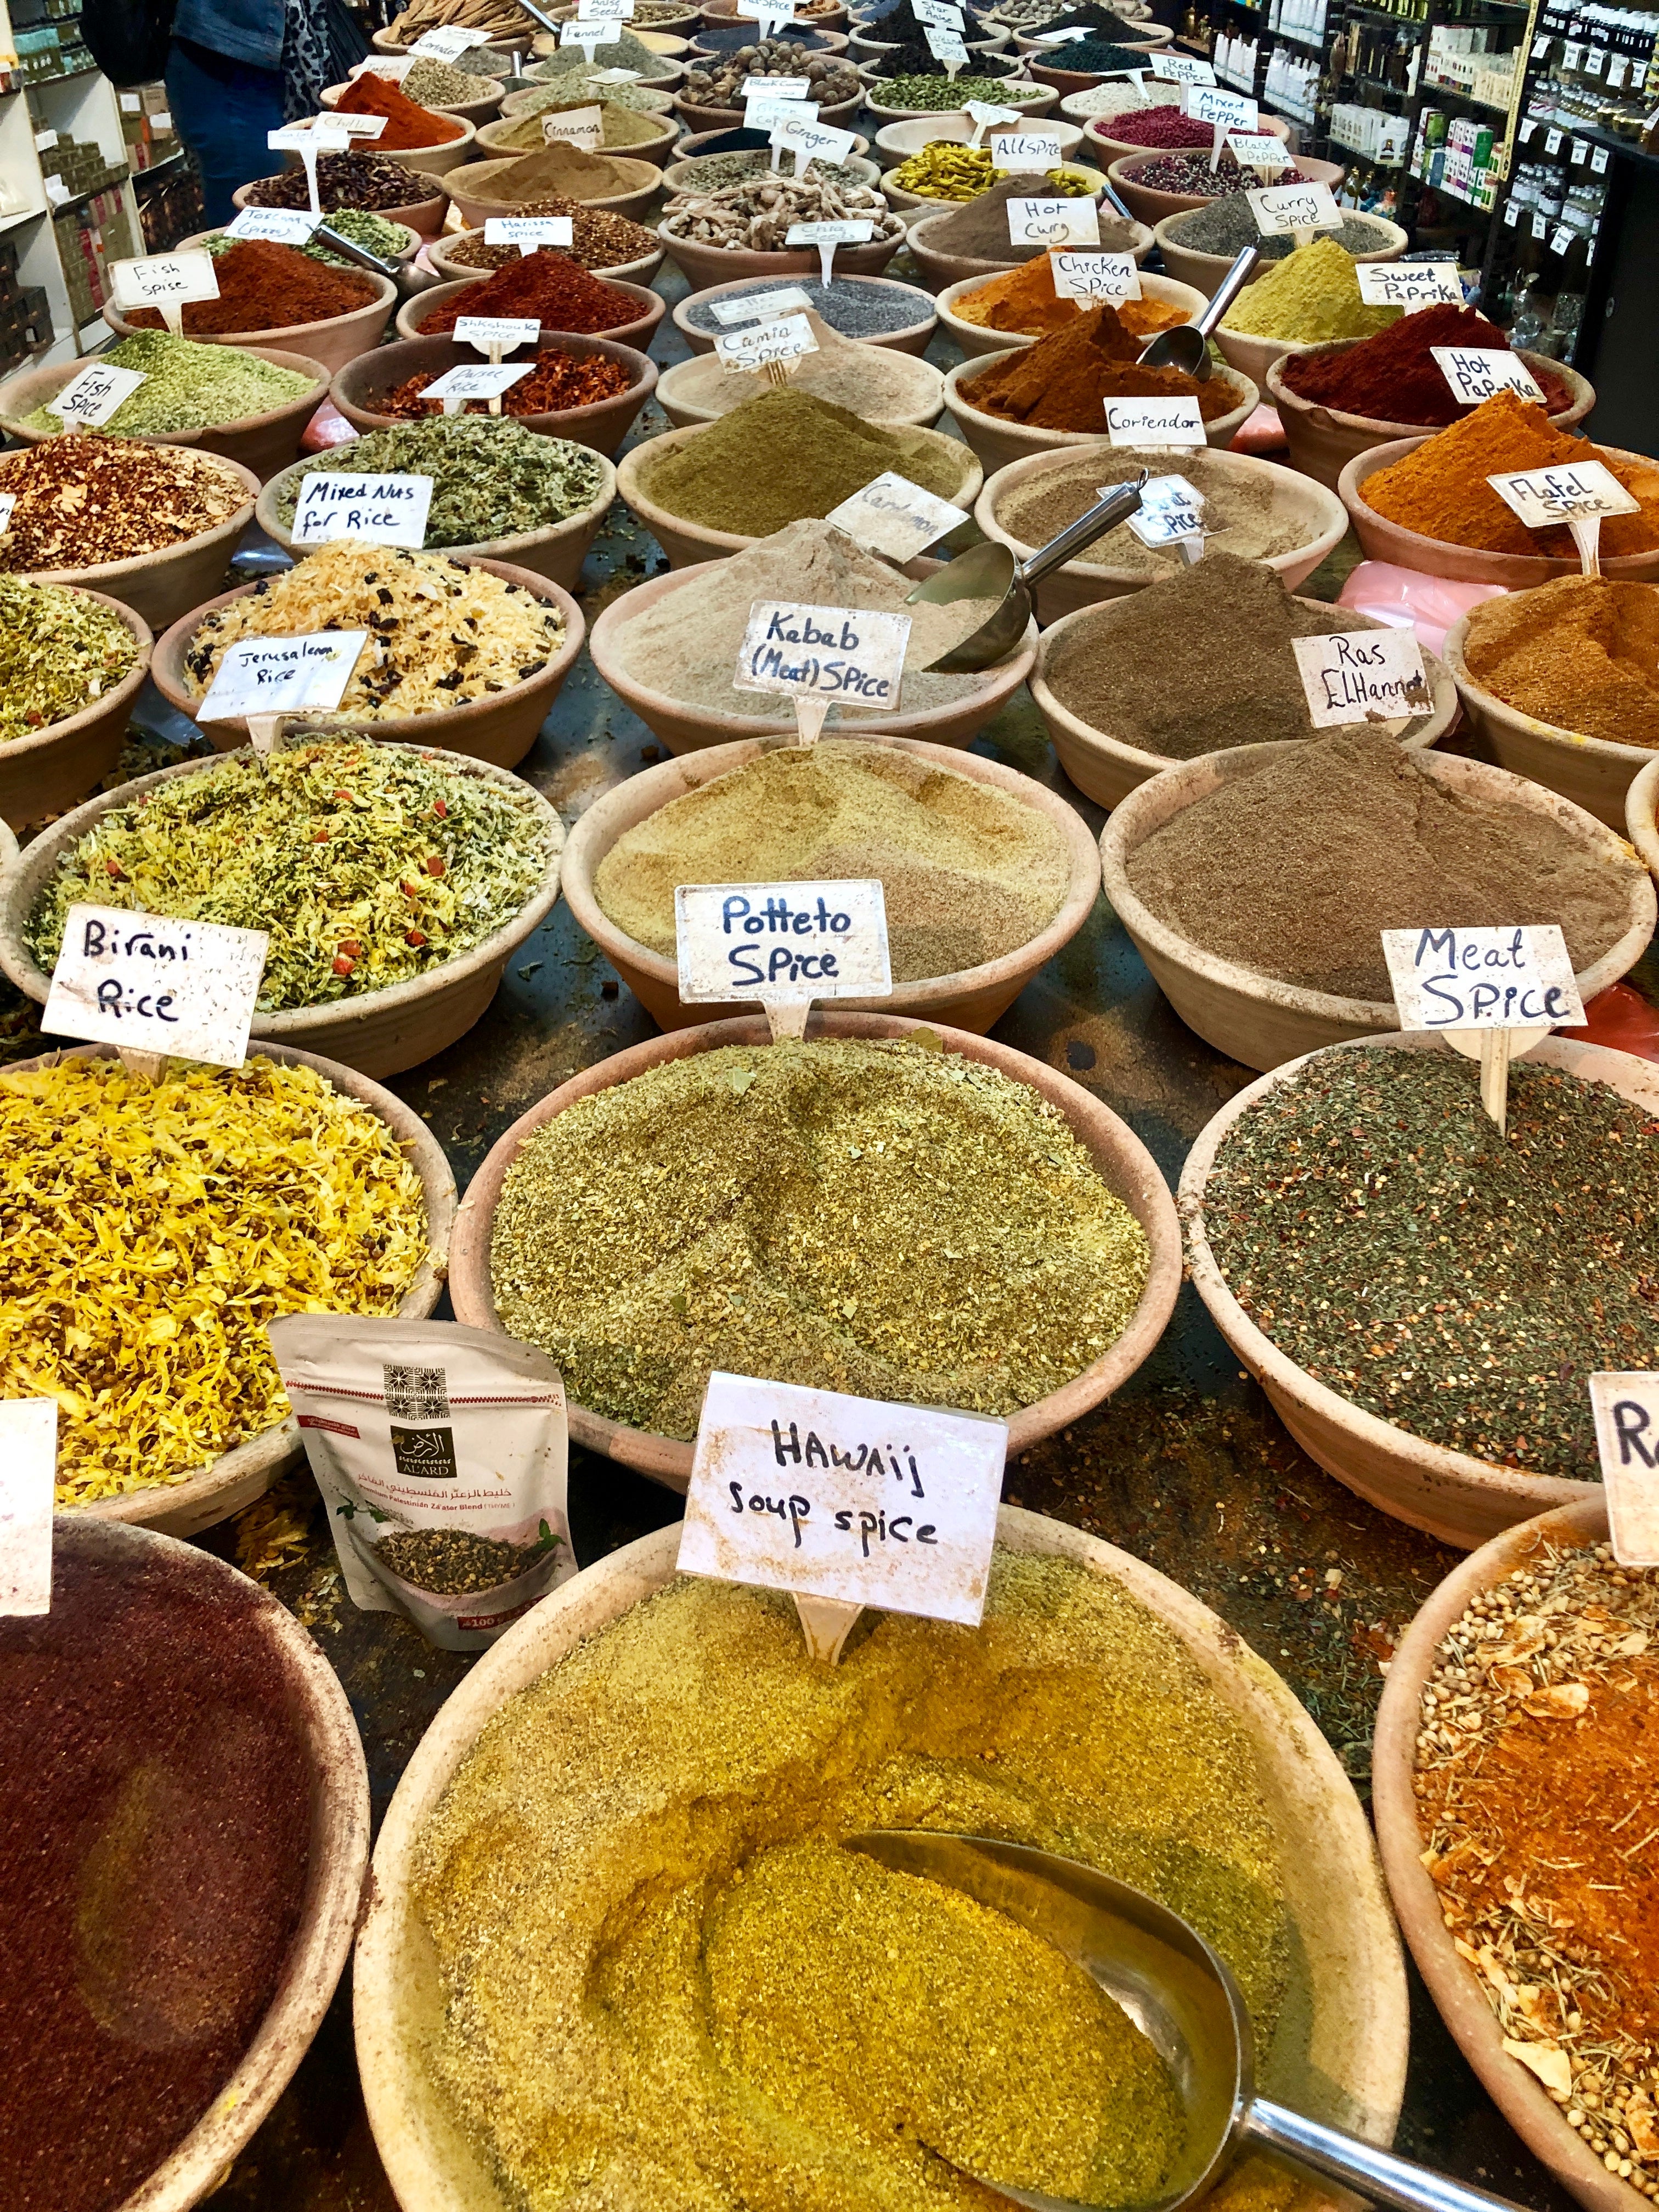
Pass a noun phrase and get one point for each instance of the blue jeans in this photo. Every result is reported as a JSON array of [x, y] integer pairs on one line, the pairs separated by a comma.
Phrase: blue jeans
[[223, 110]]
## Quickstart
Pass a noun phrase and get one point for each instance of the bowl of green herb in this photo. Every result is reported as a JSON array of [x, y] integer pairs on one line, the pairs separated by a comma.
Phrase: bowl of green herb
[[72, 662]]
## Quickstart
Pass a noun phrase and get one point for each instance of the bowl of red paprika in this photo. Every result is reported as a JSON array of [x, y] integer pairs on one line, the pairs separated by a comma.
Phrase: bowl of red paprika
[[433, 314]]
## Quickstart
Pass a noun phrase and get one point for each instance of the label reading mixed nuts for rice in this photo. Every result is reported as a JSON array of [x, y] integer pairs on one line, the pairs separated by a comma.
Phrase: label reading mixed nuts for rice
[[28, 1464], [374, 510], [149, 982]]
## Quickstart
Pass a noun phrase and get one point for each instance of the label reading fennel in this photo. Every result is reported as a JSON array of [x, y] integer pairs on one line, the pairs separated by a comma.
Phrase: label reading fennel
[[1154, 423], [184, 988], [1409, 284], [892, 515], [1482, 979], [1281, 208], [375, 510], [753, 347], [28, 1474], [1568, 493], [282, 675], [1627, 1409], [1110, 277], [1361, 675], [805, 940], [827, 1496], [1053, 222], [831, 653], [1474, 373], [92, 396]]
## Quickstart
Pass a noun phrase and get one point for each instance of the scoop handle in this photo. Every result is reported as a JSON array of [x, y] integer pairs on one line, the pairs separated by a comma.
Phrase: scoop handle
[[326, 236], [1118, 505], [1227, 291], [546, 21], [1380, 2175]]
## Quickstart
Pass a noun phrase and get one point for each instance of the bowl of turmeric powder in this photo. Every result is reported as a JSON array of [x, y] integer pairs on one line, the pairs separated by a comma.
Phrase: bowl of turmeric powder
[[1020, 305]]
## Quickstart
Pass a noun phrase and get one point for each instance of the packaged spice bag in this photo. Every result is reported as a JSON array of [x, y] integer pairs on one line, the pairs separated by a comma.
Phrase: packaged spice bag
[[441, 1453]]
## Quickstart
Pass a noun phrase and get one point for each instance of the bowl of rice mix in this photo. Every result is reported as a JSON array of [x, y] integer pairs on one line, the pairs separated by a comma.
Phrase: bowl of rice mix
[[290, 1184], [359, 393], [48, 766], [499, 640], [390, 922]]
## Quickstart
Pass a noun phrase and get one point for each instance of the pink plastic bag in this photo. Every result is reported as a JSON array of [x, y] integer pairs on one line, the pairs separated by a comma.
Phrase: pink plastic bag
[[326, 427], [1405, 599], [1260, 433], [1623, 1020]]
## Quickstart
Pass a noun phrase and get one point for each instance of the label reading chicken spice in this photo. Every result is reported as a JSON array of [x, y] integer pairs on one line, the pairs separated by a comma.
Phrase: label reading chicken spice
[[1053, 222], [374, 510], [282, 675], [91, 397], [1361, 675], [802, 940], [891, 515], [1482, 979], [185, 988], [1626, 1408], [1474, 373], [1113, 277], [28, 1466]]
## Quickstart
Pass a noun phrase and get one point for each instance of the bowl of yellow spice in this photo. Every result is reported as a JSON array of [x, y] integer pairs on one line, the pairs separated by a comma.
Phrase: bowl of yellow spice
[[785, 2023]]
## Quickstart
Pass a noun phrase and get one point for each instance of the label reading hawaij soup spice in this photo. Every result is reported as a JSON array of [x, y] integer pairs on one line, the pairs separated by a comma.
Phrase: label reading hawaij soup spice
[[815, 940], [28, 1462], [153, 984]]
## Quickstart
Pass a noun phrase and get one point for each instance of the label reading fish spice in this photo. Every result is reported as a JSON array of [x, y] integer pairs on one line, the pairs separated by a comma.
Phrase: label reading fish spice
[[1110, 277], [1567, 492], [185, 988], [833, 652], [1053, 222], [1626, 1408], [1176, 422], [803, 940], [891, 515], [28, 1467], [1474, 373], [1409, 284], [1482, 979], [1020, 150], [282, 675], [166, 282], [760, 306], [280, 226], [528, 232], [1361, 675], [1280, 210], [826, 1496], [374, 510], [751, 348], [96, 394]]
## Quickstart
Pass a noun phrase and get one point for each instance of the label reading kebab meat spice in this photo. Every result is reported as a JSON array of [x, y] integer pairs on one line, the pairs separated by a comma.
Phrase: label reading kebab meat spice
[[1361, 675], [801, 940], [28, 1463], [1481, 979], [1626, 1408], [375, 510], [153, 984], [836, 653]]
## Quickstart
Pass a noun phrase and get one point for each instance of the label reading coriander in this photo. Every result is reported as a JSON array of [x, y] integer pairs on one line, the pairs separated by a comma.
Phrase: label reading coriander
[[282, 675], [802, 940], [280, 226], [528, 232], [1570, 492], [1627, 1409], [28, 1474], [574, 126], [1482, 979], [785, 339], [892, 515], [1154, 423], [375, 510], [1280, 210], [1023, 150], [443, 45], [1409, 284], [1110, 277], [145, 981], [759, 307], [1053, 222], [1474, 373], [91, 397], [1361, 675]]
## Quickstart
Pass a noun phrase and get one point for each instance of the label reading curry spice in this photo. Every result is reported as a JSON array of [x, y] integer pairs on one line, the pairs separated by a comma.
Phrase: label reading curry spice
[[154, 984]]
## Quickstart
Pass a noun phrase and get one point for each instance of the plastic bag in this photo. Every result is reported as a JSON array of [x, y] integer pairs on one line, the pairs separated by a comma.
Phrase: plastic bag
[[1623, 1020], [1405, 599], [441, 1454]]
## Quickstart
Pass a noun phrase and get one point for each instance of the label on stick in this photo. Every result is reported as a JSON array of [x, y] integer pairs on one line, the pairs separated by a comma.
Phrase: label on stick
[[375, 510], [785, 339], [444, 44], [280, 226], [1171, 509], [818, 940], [1570, 492], [93, 395], [1154, 423], [574, 126], [183, 988], [776, 87], [282, 675], [946, 46], [164, 279], [1020, 150], [833, 1497], [1474, 373], [830, 652], [1180, 69], [1281, 208], [942, 14], [597, 10], [29, 1475], [486, 381], [801, 133], [760, 306], [1208, 103], [1258, 151], [1361, 675], [774, 12], [892, 515], [1482, 979], [1110, 277], [357, 126], [528, 232], [506, 331], [1409, 284], [8, 501], [1627, 1409], [1053, 222], [776, 115]]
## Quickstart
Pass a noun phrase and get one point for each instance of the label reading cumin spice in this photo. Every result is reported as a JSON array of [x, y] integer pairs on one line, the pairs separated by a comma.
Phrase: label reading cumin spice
[[1626, 1408], [787, 339], [28, 1464], [1482, 979], [801, 940], [154, 984]]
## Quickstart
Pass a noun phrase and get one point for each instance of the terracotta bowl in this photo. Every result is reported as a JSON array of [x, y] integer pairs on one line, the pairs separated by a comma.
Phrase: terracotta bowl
[[602, 424], [452, 272], [997, 442], [493, 143], [421, 215], [973, 998], [1043, 102], [1594, 773], [680, 175], [1640, 803], [1263, 1021], [709, 39], [696, 144], [521, 96], [1085, 583], [1205, 270], [516, 42], [1323, 439], [897, 142], [713, 268], [328, 346], [1254, 356], [688, 729], [475, 111], [43, 774], [472, 190], [1455, 1988], [380, 1033], [976, 339], [938, 271], [917, 408], [917, 206], [1347, 2001], [262, 443], [224, 1485], [1382, 540], [1125, 1165], [837, 114], [686, 542], [836, 19], [913, 337], [1148, 205], [160, 587], [1101, 146], [415, 313], [1460, 1500], [1107, 769], [426, 160], [500, 729]]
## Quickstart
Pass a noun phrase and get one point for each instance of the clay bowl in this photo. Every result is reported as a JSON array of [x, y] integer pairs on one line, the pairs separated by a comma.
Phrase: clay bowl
[[976, 339], [500, 729], [1085, 583], [160, 587], [916, 206], [1254, 356], [1264, 1022], [972, 998], [837, 114], [452, 272], [43, 774], [1160, 91], [714, 267], [493, 140], [1323, 441], [1640, 803], [1147, 204], [913, 337], [1124, 1163], [686, 542], [225, 1485], [521, 99], [422, 215], [714, 38], [809, 17], [262, 443], [8, 849], [897, 142], [867, 50], [1460, 1500], [1205, 270], [1107, 769], [1455, 1988], [918, 408], [1594, 773], [997, 442], [681, 175], [687, 729], [1066, 81], [514, 42], [1018, 92], [940, 270], [328, 346], [472, 190], [1104, 148], [426, 160], [663, 77], [601, 425], [637, 333], [555, 550], [475, 111], [379, 1033], [1382, 540]]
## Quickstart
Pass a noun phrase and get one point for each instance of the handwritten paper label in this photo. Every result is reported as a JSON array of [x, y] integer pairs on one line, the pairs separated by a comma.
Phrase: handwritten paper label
[[614, 77], [1053, 222], [947, 48], [892, 515], [506, 331], [1260, 151], [486, 381], [1361, 675], [830, 652], [1482, 979], [375, 510], [599, 10], [1154, 423], [443, 45], [1281, 208], [787, 340], [1567, 492], [164, 279], [799, 132], [770, 15], [28, 1474], [1474, 373], [590, 37], [981, 115], [1409, 284], [1111, 276], [1060, 37], [357, 126], [8, 501], [776, 87], [760, 306], [846, 232], [775, 115], [574, 126], [394, 66], [802, 940], [1626, 1410], [92, 396], [1023, 150], [942, 14], [1207, 103], [832, 1497], [325, 134], [529, 232], [280, 226], [183, 988], [1171, 509], [282, 675], [1183, 68]]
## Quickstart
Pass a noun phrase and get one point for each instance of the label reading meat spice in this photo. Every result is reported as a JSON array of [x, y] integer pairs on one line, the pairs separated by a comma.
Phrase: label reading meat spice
[[1626, 1408], [1474, 373], [166, 282], [1258, 151], [445, 43], [1570, 492], [374, 510], [1409, 284], [151, 984], [528, 232], [1053, 222], [751, 348], [282, 675], [844, 1498], [825, 652], [1482, 979], [497, 334], [574, 126], [801, 133], [760, 306], [1110, 277], [1021, 150], [1361, 675], [92, 396], [280, 226], [1172, 422], [891, 515], [796, 940], [28, 1470], [1280, 209]]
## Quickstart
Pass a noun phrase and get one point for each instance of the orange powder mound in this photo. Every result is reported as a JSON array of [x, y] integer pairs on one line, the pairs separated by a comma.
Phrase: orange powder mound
[[1064, 381], [1024, 301], [407, 125]]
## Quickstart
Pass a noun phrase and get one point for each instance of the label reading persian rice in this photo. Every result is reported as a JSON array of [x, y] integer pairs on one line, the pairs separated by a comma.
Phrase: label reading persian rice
[[811, 940], [1570, 492], [28, 1473], [1110, 277], [528, 232], [787, 340], [1053, 222], [891, 515], [834, 652], [1482, 979], [1409, 284], [1154, 423], [1280, 210], [147, 981], [1361, 675], [375, 510], [280, 226], [282, 675], [1627, 1409], [1474, 373], [91, 397]]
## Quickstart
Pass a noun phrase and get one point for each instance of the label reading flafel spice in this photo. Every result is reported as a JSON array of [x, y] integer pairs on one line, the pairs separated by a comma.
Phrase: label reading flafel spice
[[1570, 492], [154, 984], [29, 1468]]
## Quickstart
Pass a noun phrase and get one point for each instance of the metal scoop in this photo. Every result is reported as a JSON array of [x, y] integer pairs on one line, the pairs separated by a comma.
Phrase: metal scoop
[[991, 572], [1181, 1998], [1187, 347]]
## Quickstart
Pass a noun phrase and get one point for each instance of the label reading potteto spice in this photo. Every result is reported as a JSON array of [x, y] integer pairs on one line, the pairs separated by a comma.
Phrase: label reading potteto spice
[[1053, 222], [891, 515], [141, 979], [1409, 284], [760, 306], [574, 126], [830, 652], [1175, 422], [1110, 277], [528, 232], [1627, 1409], [1180, 68], [486, 381], [1570, 492], [493, 333], [817, 940], [1258, 151], [1474, 373], [1482, 979], [28, 1474], [278, 226], [89, 398], [1361, 675], [375, 510], [282, 675], [1021, 151], [443, 45], [749, 349], [1280, 210], [845, 1498], [801, 133]]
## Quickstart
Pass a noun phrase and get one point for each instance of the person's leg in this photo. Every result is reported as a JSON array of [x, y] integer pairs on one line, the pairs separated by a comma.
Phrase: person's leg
[[224, 110]]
